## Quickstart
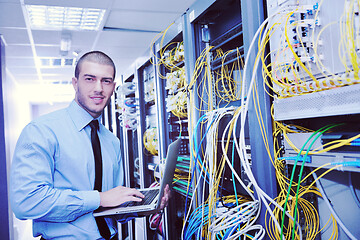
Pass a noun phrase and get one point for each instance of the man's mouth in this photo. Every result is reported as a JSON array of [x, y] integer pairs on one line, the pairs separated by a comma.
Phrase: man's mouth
[[97, 100]]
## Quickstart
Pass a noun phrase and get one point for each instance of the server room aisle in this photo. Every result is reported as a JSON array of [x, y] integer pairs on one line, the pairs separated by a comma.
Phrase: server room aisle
[[42, 42], [264, 96]]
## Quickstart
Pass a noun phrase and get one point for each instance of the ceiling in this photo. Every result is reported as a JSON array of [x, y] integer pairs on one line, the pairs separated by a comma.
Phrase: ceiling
[[125, 33]]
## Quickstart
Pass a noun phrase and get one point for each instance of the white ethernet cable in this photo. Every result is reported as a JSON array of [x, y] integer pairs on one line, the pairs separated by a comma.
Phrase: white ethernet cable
[[244, 110], [210, 155], [198, 180], [241, 145], [233, 217], [259, 227], [243, 113], [249, 225], [242, 213], [213, 118], [258, 204], [242, 150]]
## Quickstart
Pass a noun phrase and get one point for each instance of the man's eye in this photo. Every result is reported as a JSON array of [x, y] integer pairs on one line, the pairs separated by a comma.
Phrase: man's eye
[[107, 81], [88, 79]]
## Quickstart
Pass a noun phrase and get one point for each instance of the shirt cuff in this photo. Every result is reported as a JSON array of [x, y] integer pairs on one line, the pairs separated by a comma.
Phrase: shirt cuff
[[91, 200]]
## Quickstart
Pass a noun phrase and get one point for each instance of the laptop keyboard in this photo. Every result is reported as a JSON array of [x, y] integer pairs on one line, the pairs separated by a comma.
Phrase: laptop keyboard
[[149, 197]]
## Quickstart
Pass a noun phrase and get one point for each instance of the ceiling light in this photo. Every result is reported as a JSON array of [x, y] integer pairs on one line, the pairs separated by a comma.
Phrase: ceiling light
[[58, 18], [65, 43], [56, 62]]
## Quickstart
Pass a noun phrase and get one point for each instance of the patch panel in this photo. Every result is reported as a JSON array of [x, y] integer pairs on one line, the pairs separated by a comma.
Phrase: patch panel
[[311, 41]]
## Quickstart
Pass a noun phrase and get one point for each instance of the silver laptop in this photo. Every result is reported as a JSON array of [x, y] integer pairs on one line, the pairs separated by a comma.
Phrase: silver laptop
[[151, 201]]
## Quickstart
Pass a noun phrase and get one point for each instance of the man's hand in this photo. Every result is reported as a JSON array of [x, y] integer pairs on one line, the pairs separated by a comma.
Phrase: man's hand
[[119, 195], [166, 197]]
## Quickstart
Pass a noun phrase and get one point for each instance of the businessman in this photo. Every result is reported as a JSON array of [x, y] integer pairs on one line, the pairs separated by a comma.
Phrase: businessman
[[66, 164]]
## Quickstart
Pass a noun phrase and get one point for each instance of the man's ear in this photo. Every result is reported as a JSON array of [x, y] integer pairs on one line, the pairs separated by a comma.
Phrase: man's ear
[[74, 82], [114, 87]]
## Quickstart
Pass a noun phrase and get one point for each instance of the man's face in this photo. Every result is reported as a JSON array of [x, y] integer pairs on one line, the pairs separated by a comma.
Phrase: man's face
[[94, 87]]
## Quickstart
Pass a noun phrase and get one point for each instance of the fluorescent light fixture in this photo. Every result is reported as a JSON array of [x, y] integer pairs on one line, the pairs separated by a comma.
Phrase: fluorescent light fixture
[[56, 62], [65, 43], [58, 18]]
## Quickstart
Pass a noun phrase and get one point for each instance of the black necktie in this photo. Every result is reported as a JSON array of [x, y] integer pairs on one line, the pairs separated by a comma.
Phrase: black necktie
[[95, 142]]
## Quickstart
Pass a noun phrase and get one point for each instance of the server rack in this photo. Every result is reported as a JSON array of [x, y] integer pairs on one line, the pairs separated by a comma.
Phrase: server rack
[[140, 117], [232, 26], [219, 28], [206, 23], [147, 121], [323, 100], [126, 123], [173, 124]]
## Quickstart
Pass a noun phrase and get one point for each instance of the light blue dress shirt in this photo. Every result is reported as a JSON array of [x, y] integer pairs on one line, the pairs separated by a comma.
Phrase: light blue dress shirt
[[52, 174]]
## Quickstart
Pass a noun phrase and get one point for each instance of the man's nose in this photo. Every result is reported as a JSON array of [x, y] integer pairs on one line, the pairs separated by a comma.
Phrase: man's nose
[[98, 86]]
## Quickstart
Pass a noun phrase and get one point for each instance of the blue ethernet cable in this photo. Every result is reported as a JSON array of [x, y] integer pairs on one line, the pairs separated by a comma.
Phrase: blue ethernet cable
[[195, 221], [197, 154]]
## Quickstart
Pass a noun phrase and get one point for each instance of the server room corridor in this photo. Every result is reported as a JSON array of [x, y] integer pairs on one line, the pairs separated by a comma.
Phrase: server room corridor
[[263, 97]]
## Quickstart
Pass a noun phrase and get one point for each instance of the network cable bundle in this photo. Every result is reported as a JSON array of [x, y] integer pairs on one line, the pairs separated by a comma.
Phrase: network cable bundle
[[170, 64], [217, 210], [181, 177], [312, 72], [299, 66], [149, 87], [174, 56], [302, 64], [227, 73], [126, 105], [175, 81], [314, 46], [171, 68], [219, 215], [177, 104], [211, 213], [151, 141]]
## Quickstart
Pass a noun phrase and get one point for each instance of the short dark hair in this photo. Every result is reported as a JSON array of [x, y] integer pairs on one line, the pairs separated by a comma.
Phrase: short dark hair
[[96, 57]]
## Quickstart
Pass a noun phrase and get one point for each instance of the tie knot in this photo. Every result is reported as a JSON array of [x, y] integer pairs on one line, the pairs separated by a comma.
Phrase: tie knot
[[94, 124]]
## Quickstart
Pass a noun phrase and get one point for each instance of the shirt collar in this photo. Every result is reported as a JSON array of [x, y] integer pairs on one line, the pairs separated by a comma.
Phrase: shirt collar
[[79, 116]]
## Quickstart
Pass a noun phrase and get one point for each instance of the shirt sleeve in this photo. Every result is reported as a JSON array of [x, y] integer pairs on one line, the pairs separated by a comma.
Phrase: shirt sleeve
[[32, 192]]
